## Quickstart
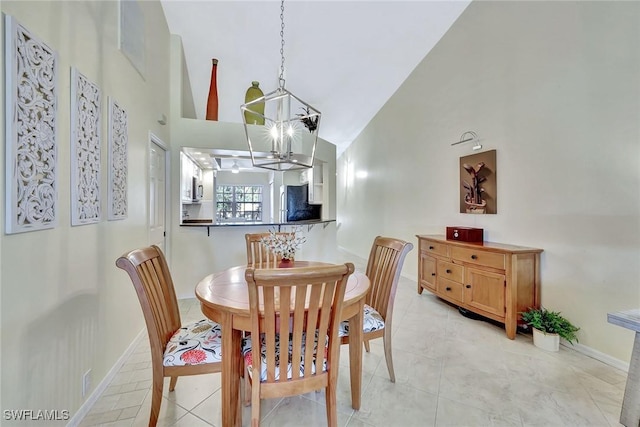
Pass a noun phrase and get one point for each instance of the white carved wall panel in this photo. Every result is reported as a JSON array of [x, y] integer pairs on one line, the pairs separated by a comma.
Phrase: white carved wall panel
[[85, 150], [117, 161], [31, 146]]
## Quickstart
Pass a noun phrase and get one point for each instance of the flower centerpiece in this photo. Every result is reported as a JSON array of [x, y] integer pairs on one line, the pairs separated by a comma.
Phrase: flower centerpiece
[[285, 244]]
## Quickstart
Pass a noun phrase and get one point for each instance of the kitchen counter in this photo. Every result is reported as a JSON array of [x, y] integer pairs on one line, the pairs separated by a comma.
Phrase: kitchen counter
[[210, 223]]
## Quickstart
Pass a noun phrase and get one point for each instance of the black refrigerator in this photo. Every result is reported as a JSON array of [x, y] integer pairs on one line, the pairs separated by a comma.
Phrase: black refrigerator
[[297, 204]]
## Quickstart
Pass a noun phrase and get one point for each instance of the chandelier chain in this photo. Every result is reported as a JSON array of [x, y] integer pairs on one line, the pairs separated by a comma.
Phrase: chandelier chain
[[282, 44]]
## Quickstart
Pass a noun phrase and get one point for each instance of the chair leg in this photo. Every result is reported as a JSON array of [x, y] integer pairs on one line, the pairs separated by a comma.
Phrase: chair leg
[[366, 346], [331, 402], [156, 398], [386, 339], [172, 383], [255, 405], [246, 383]]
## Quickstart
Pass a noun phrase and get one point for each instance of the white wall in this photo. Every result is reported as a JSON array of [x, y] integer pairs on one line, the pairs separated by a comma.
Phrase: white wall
[[554, 87], [65, 307]]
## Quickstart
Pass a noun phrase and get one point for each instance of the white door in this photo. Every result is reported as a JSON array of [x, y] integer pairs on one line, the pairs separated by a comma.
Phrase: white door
[[157, 192]]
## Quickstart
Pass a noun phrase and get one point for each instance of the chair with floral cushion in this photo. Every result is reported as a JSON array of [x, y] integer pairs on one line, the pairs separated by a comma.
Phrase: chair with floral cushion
[[305, 329], [176, 349], [383, 270]]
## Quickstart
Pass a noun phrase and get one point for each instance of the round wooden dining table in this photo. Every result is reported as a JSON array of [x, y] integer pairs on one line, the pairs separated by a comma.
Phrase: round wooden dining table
[[224, 298]]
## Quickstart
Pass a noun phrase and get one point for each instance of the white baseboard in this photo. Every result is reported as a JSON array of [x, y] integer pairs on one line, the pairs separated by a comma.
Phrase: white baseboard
[[97, 392], [595, 354]]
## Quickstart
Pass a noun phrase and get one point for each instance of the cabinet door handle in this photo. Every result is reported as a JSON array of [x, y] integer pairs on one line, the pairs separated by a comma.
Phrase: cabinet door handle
[[448, 288], [448, 271], [433, 274], [431, 248], [468, 286], [474, 257]]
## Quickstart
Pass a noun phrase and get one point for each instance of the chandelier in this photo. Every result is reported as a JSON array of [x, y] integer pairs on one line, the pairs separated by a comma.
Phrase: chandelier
[[281, 129]]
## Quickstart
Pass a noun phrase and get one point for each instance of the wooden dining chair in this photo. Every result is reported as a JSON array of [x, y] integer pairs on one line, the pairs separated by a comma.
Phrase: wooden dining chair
[[296, 311], [258, 255], [383, 270], [176, 349]]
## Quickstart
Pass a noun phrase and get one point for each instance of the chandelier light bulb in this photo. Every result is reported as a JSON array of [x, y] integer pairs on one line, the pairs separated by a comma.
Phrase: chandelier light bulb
[[274, 133]]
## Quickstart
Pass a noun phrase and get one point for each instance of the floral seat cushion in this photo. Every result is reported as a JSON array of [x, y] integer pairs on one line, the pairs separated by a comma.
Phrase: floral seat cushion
[[194, 344], [372, 322], [247, 351]]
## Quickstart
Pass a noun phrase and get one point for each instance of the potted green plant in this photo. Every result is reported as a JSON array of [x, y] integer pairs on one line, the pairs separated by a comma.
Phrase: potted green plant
[[548, 327]]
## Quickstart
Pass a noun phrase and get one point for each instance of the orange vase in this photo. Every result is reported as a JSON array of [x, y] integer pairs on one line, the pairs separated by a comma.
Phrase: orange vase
[[212, 101]]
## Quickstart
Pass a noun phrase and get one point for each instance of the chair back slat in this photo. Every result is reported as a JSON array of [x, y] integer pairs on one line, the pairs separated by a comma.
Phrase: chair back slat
[[297, 304], [383, 270], [149, 273]]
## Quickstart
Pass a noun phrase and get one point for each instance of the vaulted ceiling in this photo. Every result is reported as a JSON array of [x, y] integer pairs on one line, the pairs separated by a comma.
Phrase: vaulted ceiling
[[345, 58]]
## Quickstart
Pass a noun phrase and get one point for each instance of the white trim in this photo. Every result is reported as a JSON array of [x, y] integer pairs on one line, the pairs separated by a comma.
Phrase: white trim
[[598, 355], [85, 408], [154, 139]]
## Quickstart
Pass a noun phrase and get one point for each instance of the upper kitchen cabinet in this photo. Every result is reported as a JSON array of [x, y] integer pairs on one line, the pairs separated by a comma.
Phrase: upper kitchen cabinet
[[190, 180], [314, 178]]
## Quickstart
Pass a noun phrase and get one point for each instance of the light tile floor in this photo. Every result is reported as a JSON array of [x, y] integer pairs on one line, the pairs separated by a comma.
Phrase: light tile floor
[[450, 371]]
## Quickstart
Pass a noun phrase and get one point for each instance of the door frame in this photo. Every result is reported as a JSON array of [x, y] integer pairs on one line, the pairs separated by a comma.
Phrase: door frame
[[154, 139]]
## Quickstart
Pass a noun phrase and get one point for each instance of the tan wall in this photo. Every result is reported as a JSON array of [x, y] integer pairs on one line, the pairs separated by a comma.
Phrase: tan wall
[[65, 307], [554, 88]]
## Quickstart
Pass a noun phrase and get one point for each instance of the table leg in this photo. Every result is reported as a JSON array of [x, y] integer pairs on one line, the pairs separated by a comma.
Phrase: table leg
[[630, 415], [231, 342], [355, 355]]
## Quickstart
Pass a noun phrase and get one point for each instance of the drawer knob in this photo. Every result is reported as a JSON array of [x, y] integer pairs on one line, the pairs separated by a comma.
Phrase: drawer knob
[[468, 286], [433, 274], [474, 257], [431, 248], [448, 271], [448, 288]]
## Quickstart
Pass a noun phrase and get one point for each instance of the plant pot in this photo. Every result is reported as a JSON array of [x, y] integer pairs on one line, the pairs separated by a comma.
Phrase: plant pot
[[285, 263], [546, 341]]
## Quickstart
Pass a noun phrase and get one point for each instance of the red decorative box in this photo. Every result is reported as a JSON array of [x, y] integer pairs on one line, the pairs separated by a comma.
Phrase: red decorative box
[[465, 234]]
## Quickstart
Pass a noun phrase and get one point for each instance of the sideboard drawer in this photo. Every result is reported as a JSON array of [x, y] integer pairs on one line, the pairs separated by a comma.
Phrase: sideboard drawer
[[434, 248], [480, 257], [449, 288], [450, 271]]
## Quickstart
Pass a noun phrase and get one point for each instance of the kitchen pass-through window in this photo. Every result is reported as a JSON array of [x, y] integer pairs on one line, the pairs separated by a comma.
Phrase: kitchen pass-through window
[[239, 202]]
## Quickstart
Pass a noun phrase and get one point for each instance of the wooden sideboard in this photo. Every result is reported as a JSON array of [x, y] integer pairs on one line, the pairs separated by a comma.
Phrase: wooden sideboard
[[494, 280]]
